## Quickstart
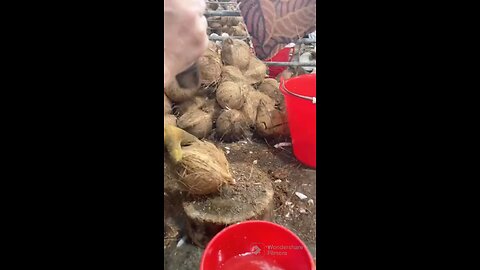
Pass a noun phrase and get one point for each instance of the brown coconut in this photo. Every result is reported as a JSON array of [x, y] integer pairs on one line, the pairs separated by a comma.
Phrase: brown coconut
[[177, 94], [271, 123], [231, 95], [231, 73], [210, 67], [211, 106], [192, 104], [237, 31], [203, 168], [256, 72], [252, 101], [271, 88], [167, 105], [213, 6], [236, 52], [196, 122], [169, 119], [234, 21], [231, 126]]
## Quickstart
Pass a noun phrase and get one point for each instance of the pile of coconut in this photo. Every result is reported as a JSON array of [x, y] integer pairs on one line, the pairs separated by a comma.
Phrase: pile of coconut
[[235, 100], [233, 26]]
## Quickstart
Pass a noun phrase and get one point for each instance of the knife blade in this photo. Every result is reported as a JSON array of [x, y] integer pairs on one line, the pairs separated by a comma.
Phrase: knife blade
[[190, 78]]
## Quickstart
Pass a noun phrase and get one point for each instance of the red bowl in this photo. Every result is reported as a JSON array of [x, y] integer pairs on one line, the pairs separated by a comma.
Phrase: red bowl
[[253, 245]]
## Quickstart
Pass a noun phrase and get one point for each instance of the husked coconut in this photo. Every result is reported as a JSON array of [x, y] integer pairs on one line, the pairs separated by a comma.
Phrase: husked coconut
[[191, 104], [231, 126], [201, 167], [230, 95], [256, 72], [236, 52], [271, 88], [177, 94], [210, 67], [196, 122], [252, 101], [231, 73]]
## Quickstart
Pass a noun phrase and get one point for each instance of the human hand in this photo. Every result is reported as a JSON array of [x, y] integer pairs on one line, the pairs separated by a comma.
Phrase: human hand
[[173, 139], [185, 36]]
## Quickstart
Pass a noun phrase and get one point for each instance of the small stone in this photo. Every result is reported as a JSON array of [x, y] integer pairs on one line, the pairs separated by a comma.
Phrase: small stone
[[310, 202], [255, 162], [278, 181], [301, 196], [303, 211]]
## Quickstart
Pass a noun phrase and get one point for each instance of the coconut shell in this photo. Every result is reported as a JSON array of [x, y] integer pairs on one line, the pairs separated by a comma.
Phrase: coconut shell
[[256, 72], [177, 94], [191, 104], [271, 88], [203, 169], [231, 126], [169, 119], [233, 74], [236, 52], [210, 67], [167, 105], [196, 122]]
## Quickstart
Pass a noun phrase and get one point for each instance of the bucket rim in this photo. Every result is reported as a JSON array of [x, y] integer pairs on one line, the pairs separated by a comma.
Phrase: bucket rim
[[285, 90]]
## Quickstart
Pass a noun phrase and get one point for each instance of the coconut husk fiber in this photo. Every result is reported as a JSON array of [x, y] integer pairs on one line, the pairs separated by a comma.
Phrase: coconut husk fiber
[[231, 95], [167, 105], [236, 52], [198, 167], [203, 169]]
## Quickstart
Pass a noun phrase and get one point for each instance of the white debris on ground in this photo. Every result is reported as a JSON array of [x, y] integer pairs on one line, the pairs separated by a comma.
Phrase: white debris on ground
[[301, 196]]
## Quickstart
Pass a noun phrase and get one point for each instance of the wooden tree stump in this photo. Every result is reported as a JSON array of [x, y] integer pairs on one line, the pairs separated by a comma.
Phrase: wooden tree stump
[[251, 198]]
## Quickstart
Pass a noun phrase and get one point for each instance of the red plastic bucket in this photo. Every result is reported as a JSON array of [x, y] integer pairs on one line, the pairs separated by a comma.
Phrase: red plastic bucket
[[282, 56], [301, 103], [254, 245]]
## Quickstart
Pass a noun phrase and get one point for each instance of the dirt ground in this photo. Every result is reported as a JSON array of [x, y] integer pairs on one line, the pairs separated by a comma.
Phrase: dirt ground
[[287, 175]]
